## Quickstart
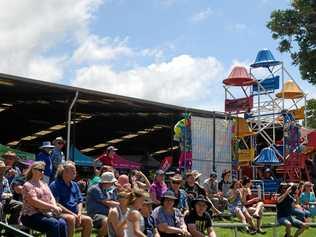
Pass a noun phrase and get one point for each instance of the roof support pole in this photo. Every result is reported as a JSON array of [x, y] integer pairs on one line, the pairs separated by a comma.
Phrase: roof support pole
[[69, 123]]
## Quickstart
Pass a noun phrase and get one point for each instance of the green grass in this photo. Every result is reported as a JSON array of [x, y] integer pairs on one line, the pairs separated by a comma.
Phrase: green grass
[[311, 232], [221, 232]]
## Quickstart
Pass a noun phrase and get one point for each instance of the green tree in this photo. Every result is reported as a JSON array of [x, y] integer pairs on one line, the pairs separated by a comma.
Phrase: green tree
[[295, 28], [311, 113]]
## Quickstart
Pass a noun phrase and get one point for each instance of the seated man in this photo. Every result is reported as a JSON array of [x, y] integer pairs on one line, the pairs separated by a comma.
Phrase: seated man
[[100, 198], [7, 204], [10, 161], [198, 219], [212, 192], [69, 198], [285, 215]]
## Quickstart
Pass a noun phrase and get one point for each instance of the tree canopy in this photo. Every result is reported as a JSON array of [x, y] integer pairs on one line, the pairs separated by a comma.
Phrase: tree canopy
[[311, 113], [295, 28]]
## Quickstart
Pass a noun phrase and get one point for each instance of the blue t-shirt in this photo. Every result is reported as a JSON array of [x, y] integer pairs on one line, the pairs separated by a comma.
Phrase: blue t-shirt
[[182, 199], [43, 156], [174, 219], [307, 198], [95, 196], [68, 196]]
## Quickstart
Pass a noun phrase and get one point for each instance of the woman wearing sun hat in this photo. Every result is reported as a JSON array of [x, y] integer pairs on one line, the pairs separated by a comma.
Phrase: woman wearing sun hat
[[169, 220]]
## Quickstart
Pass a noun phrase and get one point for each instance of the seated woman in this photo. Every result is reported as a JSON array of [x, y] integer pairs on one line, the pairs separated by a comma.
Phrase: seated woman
[[117, 216], [285, 207], [199, 220], [40, 211], [253, 204], [307, 198], [135, 220], [236, 206], [168, 219]]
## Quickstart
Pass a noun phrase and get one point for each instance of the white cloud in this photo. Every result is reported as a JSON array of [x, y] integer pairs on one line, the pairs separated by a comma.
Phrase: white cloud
[[95, 48], [201, 15], [184, 80], [28, 29]]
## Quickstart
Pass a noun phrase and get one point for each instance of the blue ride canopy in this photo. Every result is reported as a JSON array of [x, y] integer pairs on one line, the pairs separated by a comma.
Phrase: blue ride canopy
[[267, 156], [269, 84], [265, 59]]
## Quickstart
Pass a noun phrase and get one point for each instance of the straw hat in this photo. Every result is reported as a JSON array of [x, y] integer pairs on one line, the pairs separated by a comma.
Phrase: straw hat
[[176, 177]]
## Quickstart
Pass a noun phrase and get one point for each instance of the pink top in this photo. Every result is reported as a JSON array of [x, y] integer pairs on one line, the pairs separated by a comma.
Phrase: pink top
[[41, 191]]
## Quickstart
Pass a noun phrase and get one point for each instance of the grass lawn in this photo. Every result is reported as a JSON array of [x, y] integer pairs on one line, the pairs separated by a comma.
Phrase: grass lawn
[[311, 232]]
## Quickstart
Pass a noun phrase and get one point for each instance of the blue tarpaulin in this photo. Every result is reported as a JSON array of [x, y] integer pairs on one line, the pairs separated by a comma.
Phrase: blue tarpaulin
[[79, 158]]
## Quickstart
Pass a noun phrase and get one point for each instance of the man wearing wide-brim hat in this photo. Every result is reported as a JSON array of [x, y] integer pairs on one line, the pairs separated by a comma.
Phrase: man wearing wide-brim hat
[[7, 204], [175, 186], [45, 156], [57, 155], [100, 198], [169, 220], [199, 220], [10, 161]]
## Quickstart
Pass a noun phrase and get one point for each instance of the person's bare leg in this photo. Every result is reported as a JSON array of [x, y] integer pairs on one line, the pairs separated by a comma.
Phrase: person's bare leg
[[300, 230], [212, 233], [104, 228], [71, 223], [86, 223], [249, 219], [259, 209], [288, 229]]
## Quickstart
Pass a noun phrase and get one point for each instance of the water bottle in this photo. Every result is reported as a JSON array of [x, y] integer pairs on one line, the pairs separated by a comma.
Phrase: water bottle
[[259, 191]]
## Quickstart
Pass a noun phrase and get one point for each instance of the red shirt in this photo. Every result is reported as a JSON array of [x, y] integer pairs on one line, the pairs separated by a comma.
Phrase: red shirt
[[106, 160]]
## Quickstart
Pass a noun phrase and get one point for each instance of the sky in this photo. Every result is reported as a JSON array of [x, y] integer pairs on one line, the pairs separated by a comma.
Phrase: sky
[[171, 51]]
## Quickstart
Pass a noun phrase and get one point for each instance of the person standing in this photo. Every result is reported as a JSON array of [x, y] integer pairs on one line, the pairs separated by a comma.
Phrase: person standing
[[105, 159], [45, 156], [69, 198], [57, 155]]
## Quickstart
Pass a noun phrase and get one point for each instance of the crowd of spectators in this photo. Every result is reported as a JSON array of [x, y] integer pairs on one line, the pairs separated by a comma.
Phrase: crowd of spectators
[[45, 196]]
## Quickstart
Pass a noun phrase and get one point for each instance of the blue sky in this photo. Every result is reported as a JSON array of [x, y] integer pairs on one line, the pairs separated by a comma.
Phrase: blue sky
[[173, 51]]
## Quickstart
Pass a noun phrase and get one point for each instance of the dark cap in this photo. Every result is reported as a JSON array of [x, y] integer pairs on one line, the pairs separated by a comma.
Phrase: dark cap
[[213, 174]]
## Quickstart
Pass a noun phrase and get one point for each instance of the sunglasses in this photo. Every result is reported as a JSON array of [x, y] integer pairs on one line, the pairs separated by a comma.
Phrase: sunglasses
[[175, 182], [60, 143], [39, 170]]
